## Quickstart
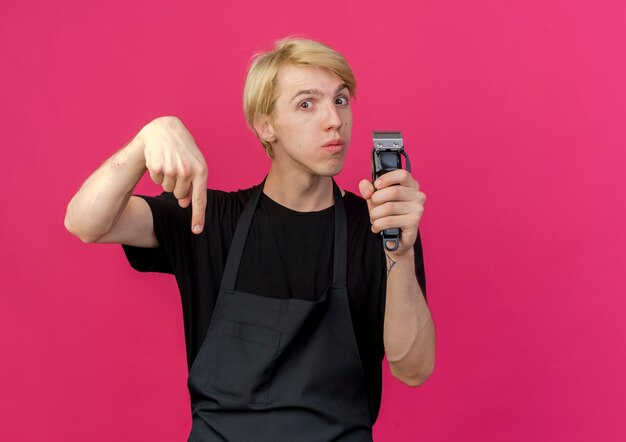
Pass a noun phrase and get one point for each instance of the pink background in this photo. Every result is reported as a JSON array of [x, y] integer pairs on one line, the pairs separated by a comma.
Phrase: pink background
[[512, 111]]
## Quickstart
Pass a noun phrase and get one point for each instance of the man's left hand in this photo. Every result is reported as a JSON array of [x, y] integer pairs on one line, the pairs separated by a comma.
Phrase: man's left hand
[[395, 201]]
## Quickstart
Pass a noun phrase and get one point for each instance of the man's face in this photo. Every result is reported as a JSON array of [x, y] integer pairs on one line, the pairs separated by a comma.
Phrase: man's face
[[313, 121]]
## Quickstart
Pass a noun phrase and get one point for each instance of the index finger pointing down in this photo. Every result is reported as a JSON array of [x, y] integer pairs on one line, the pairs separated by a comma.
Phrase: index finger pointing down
[[198, 204]]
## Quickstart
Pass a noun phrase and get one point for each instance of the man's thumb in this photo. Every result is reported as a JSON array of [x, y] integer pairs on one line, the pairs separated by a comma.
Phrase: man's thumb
[[366, 189]]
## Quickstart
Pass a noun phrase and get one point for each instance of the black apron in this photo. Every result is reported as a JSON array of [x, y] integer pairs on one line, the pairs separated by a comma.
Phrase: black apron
[[277, 370]]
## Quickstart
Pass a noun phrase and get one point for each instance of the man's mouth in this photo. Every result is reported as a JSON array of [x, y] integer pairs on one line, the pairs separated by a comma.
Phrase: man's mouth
[[334, 146]]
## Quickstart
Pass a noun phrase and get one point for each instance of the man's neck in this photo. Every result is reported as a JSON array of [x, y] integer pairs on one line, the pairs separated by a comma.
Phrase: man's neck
[[299, 192]]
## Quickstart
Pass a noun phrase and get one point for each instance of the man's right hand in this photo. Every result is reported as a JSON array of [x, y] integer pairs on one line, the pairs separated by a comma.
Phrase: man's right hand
[[175, 162], [104, 209]]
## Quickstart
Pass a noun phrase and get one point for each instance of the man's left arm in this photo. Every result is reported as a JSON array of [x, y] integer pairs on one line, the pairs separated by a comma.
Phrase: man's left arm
[[409, 332]]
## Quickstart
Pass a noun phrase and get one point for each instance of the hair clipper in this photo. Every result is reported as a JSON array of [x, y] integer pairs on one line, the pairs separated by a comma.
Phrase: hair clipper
[[386, 156]]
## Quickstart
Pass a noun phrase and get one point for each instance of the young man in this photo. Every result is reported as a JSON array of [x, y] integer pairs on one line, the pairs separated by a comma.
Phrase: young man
[[290, 301]]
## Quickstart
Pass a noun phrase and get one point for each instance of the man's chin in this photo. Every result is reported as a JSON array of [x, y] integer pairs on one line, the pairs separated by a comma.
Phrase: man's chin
[[332, 170]]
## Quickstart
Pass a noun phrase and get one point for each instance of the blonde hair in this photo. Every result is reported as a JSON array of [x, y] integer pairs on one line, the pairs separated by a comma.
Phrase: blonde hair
[[261, 89]]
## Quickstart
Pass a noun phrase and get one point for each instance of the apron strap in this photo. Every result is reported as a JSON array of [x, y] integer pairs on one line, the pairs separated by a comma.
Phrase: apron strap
[[340, 259], [229, 278]]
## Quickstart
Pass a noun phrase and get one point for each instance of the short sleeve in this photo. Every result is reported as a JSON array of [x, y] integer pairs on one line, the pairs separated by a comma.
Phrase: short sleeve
[[173, 232]]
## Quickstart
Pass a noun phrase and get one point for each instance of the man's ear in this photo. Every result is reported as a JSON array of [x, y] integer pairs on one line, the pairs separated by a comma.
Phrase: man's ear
[[264, 127]]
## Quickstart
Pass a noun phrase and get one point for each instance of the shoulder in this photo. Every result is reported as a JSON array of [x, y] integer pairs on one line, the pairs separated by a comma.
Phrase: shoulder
[[215, 199], [353, 202], [221, 206], [356, 209], [237, 197], [225, 207]]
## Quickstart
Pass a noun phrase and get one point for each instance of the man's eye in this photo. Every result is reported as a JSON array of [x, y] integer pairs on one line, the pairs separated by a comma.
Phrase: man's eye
[[342, 101], [307, 104]]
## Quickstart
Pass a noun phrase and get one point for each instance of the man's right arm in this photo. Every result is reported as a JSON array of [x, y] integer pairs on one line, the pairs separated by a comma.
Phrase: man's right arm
[[104, 211]]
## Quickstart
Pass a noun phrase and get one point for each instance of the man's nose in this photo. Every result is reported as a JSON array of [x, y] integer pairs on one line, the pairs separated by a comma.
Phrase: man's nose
[[333, 119]]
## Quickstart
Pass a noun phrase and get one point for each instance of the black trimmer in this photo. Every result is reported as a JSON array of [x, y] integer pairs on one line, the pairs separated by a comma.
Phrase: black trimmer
[[386, 156]]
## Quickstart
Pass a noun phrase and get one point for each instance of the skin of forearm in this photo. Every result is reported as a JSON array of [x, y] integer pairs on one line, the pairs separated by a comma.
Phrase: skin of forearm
[[102, 198], [409, 332]]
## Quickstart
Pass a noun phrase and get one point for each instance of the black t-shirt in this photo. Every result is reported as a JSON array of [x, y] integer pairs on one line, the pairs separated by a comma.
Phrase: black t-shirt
[[288, 254]]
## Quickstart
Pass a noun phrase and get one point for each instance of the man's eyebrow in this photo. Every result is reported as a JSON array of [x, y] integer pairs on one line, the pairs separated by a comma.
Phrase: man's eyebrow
[[316, 91], [341, 87]]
